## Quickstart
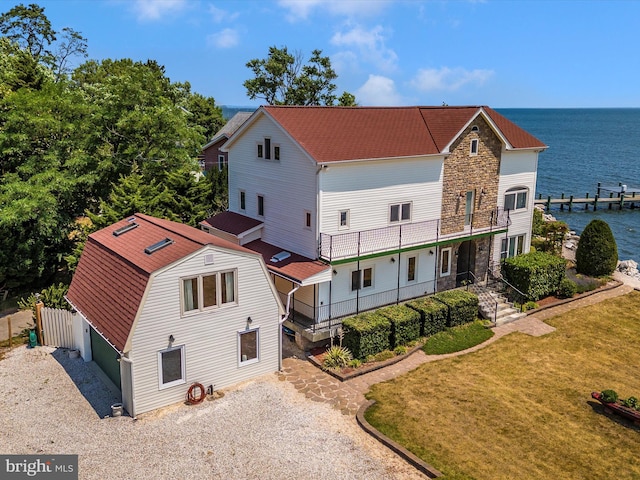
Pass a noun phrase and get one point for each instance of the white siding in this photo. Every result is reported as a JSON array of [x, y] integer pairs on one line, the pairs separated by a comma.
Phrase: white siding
[[367, 189], [288, 186], [210, 338], [517, 169]]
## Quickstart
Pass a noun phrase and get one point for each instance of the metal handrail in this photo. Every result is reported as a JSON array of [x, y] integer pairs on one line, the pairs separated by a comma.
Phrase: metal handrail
[[484, 290], [510, 287]]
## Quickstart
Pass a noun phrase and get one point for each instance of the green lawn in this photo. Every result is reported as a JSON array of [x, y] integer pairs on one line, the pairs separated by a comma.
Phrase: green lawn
[[521, 407], [457, 338]]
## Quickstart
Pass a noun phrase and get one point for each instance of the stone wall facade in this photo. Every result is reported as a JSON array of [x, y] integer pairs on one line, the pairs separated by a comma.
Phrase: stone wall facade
[[464, 172]]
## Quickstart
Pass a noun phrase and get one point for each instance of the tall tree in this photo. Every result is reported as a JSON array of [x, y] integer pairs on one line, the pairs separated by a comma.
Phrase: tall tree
[[283, 79]]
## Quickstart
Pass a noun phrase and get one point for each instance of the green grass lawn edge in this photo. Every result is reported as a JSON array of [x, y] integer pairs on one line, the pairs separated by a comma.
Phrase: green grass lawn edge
[[456, 339]]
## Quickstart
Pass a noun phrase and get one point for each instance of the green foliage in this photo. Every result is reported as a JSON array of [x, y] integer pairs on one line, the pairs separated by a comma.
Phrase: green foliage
[[462, 306], [536, 274], [597, 252], [433, 315], [609, 396], [554, 233], [631, 402], [336, 358], [529, 306], [400, 350], [458, 338], [366, 334], [567, 288], [51, 296], [538, 222], [355, 363], [405, 324], [282, 79], [383, 356]]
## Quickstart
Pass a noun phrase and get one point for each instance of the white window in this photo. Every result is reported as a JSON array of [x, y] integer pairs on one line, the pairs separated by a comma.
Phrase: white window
[[276, 152], [267, 149], [208, 291], [445, 262], [222, 161], [243, 200], [474, 147], [469, 207], [361, 279], [261, 205], [515, 199], [260, 150], [512, 246], [249, 346], [411, 269], [171, 369], [400, 212], [343, 219]]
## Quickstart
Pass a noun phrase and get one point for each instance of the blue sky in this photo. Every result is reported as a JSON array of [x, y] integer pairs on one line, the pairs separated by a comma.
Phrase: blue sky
[[501, 53]]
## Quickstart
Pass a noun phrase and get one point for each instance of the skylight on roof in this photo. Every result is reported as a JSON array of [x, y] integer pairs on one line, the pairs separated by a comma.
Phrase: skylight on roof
[[278, 257], [125, 229], [157, 246]]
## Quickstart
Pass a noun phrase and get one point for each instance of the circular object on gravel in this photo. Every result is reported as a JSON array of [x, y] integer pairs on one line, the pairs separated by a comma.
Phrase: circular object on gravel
[[192, 399]]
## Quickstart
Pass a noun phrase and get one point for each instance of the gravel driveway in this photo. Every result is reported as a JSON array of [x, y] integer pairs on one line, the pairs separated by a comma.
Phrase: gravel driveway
[[264, 429]]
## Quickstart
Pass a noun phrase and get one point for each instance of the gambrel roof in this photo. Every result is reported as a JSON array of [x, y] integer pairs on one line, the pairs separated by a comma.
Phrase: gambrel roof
[[112, 276], [333, 134]]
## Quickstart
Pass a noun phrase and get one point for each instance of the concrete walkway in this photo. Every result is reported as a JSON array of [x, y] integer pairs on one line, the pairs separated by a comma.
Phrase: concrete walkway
[[347, 396]]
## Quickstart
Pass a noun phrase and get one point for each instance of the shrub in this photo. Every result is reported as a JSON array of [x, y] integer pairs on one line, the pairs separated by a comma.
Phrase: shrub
[[537, 274], [609, 396], [529, 306], [462, 306], [400, 350], [538, 222], [631, 402], [597, 252], [567, 288], [405, 324], [383, 355], [366, 334], [336, 358], [355, 363], [433, 315]]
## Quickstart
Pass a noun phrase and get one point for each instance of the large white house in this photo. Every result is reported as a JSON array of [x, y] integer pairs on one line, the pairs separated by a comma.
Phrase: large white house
[[357, 207], [165, 305]]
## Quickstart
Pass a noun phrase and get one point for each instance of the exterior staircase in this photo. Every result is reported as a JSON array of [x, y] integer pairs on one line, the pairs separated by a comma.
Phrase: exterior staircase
[[493, 305]]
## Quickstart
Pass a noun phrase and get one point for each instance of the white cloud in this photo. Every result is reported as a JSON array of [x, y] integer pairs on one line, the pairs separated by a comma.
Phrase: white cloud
[[378, 91], [218, 15], [150, 10], [226, 38], [302, 9], [448, 79], [370, 45]]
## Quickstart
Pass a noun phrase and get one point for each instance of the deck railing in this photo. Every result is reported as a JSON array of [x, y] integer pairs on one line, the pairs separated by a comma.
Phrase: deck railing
[[327, 316], [395, 237]]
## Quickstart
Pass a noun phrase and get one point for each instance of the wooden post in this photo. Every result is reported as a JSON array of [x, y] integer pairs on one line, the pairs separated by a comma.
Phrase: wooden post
[[39, 306], [621, 200], [570, 202], [598, 193], [9, 329], [586, 205], [548, 203], [610, 196], [595, 202], [562, 203]]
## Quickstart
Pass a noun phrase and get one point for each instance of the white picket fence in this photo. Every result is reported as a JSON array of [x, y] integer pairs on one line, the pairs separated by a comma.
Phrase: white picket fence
[[57, 328]]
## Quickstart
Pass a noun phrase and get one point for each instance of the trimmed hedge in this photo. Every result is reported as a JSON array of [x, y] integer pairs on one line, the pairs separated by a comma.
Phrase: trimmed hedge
[[536, 274], [462, 306], [405, 324], [597, 252], [433, 315], [366, 334]]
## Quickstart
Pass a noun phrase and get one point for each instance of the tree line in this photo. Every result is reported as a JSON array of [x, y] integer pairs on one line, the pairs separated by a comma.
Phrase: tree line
[[82, 148]]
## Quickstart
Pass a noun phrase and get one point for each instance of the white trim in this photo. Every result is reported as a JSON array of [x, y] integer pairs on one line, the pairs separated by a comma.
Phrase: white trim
[[448, 271], [400, 208], [476, 142], [183, 373], [250, 361], [415, 269], [516, 191], [348, 218]]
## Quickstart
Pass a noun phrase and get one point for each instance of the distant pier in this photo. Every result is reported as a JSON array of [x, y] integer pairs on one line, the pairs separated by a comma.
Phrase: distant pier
[[607, 196]]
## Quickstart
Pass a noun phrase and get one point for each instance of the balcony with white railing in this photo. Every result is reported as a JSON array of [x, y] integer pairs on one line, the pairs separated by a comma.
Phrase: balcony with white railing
[[397, 237]]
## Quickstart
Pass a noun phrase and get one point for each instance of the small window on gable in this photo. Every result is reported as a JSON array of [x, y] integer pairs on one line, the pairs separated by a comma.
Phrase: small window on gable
[[474, 128], [260, 150], [267, 149], [474, 146], [276, 152], [222, 162], [515, 199]]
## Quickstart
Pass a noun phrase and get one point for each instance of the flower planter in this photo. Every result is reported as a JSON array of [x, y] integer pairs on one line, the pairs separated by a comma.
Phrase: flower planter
[[619, 409]]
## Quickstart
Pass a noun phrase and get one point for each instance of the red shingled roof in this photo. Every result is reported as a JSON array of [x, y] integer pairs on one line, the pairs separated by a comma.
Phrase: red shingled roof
[[231, 222], [330, 134], [113, 271]]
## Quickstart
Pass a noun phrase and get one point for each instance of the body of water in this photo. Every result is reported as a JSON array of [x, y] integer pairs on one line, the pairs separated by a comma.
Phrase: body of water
[[587, 146]]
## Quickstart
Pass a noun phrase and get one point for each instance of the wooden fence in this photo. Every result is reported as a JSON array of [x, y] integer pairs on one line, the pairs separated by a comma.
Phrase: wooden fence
[[57, 328]]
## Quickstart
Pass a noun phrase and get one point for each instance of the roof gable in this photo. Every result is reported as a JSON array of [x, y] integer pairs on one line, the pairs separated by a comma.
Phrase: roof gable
[[331, 134], [114, 270]]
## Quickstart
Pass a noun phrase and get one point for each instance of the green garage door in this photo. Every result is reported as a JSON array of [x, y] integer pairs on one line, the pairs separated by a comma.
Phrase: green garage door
[[106, 357]]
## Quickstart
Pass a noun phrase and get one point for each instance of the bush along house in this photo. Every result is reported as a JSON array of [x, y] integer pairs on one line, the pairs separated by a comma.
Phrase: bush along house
[[354, 208]]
